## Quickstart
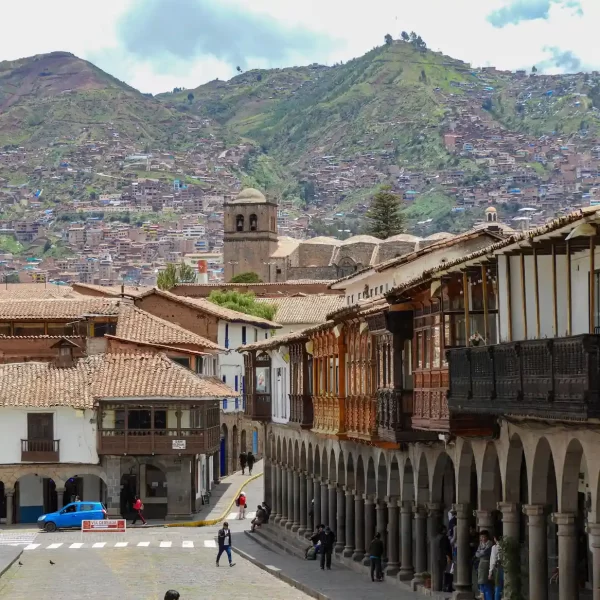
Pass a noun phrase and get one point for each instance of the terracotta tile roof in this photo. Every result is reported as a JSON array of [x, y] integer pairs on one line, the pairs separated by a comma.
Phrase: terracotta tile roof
[[111, 291], [280, 340], [117, 375], [220, 312], [57, 309], [324, 282], [308, 309], [362, 309], [27, 291], [137, 325]]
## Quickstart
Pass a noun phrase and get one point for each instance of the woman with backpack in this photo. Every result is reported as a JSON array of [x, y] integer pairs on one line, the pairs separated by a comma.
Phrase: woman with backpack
[[242, 506]]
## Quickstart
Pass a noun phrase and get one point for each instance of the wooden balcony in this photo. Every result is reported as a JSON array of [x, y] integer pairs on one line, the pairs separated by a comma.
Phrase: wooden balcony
[[158, 441], [328, 415], [550, 378], [301, 410], [258, 407], [430, 411], [40, 450], [361, 418]]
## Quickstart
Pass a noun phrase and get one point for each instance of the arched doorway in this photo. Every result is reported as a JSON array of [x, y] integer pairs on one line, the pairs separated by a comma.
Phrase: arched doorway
[[243, 441], [34, 496], [223, 450], [255, 441], [87, 487]]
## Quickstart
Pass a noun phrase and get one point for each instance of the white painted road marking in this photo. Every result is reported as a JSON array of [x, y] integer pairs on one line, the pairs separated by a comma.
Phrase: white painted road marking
[[144, 544], [31, 547], [99, 545], [210, 544], [121, 544], [166, 544], [188, 544], [54, 546], [76, 545]]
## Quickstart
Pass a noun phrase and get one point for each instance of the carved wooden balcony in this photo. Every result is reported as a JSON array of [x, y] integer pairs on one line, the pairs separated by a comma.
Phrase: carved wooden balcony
[[37, 450], [361, 418], [555, 378], [258, 407], [328, 415], [301, 410], [430, 406]]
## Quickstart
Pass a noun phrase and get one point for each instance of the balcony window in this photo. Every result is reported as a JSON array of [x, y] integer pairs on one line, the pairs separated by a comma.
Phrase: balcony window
[[40, 426], [60, 329], [26, 329], [5, 329], [244, 335], [102, 329], [263, 380], [181, 360]]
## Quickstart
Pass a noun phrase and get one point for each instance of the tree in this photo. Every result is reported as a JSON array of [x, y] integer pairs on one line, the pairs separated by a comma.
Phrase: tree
[[405, 36], [413, 37], [248, 277], [388, 39], [534, 69], [174, 274], [385, 218], [190, 97], [238, 69], [243, 302]]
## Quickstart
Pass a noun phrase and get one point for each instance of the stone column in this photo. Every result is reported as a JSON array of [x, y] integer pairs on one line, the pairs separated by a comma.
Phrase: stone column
[[60, 498], [485, 521], [538, 551], [369, 524], [317, 504], [278, 494], [359, 528], [10, 495], [510, 520], [462, 576], [594, 533], [406, 562], [420, 539], [290, 505], [567, 555], [267, 478], [349, 547], [332, 501], [303, 498], [381, 525], [296, 486], [284, 497], [274, 469], [393, 530], [310, 507], [112, 465], [434, 522], [324, 503], [341, 521]]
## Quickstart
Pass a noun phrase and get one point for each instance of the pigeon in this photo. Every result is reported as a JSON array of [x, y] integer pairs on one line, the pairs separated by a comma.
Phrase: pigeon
[[52, 563], [20, 564]]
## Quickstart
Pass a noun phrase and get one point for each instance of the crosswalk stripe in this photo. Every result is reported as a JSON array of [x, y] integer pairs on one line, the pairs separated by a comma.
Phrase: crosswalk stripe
[[54, 546], [144, 544], [166, 544], [99, 545], [187, 544], [210, 544], [76, 545], [234, 516], [31, 546], [121, 544]]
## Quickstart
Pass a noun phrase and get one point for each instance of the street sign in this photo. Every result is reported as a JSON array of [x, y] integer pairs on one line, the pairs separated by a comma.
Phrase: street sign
[[178, 445], [105, 525]]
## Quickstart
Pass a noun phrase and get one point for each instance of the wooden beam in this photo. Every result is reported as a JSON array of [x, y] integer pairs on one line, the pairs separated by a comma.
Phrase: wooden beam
[[523, 295], [569, 294], [592, 306], [509, 300], [554, 299], [466, 304], [537, 294], [484, 290]]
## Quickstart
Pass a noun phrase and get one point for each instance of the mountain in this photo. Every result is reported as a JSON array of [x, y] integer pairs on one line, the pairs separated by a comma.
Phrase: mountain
[[59, 97]]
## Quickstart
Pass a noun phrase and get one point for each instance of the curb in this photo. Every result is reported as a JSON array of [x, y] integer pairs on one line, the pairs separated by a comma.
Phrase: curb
[[282, 576], [223, 516], [11, 563]]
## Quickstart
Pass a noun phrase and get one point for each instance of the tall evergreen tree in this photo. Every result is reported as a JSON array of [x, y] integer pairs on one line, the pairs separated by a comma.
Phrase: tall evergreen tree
[[385, 218]]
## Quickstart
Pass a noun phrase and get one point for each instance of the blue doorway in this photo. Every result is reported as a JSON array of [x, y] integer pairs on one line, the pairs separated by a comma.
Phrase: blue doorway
[[255, 442], [223, 458]]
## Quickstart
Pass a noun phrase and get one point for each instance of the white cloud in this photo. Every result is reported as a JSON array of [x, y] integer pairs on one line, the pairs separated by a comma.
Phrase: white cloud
[[460, 28]]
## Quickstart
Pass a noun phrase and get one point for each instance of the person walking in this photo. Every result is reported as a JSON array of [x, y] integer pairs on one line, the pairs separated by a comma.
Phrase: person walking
[[251, 460], [327, 539], [376, 555], [242, 506], [224, 539], [483, 554], [496, 570], [138, 507], [243, 462]]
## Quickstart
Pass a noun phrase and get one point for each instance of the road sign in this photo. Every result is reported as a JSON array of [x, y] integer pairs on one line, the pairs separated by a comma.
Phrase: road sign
[[105, 525], [178, 445]]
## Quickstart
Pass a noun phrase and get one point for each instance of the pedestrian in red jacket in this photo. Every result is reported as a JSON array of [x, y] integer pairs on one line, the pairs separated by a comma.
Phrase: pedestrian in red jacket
[[138, 507]]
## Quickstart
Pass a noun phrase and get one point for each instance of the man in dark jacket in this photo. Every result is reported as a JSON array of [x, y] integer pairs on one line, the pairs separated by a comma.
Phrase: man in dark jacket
[[224, 539], [251, 460], [376, 555], [243, 462], [327, 539], [445, 559]]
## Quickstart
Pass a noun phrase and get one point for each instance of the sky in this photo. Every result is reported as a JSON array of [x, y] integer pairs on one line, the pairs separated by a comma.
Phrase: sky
[[156, 45]]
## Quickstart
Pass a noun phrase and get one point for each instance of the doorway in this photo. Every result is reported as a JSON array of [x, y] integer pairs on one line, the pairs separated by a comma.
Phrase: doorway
[[255, 442]]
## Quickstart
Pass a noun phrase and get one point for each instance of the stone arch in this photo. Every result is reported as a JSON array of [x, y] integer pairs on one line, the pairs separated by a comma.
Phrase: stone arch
[[443, 487], [341, 470], [351, 476], [575, 463], [543, 488], [239, 222], [278, 451], [515, 477], [371, 479], [317, 462], [332, 467], [235, 448], [324, 465], [394, 486], [309, 460], [466, 488], [290, 456], [490, 489], [296, 455], [408, 482], [423, 495], [225, 461], [303, 459], [360, 474], [243, 441], [382, 477]]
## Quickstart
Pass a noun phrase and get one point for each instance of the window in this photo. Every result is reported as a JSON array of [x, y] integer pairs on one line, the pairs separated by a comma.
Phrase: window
[[40, 426], [4, 328], [226, 335], [181, 360], [139, 419], [102, 329], [239, 223], [348, 300], [237, 404], [199, 365], [83, 507], [237, 383], [255, 334], [253, 223], [224, 403], [224, 378], [266, 335], [244, 335], [29, 329], [59, 329], [196, 418], [263, 380], [156, 482]]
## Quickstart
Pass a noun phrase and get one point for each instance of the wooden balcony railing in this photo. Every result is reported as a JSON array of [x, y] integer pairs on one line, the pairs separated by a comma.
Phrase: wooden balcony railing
[[361, 417], [430, 410], [158, 441], [328, 415], [555, 378], [40, 450], [258, 407], [301, 410]]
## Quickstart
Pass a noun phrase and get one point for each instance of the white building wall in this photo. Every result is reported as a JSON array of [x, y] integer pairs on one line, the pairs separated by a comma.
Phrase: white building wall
[[280, 388]]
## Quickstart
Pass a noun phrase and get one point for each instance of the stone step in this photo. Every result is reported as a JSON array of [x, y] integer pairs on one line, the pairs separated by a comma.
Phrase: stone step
[[271, 535]]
